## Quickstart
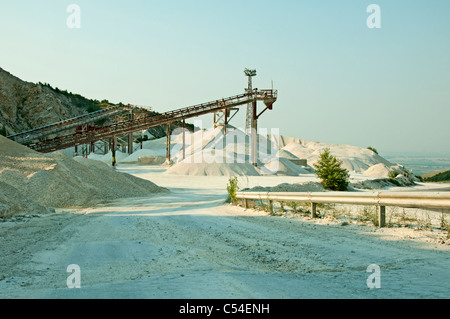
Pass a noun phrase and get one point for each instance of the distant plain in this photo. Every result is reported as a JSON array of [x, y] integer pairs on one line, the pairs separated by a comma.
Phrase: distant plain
[[422, 164]]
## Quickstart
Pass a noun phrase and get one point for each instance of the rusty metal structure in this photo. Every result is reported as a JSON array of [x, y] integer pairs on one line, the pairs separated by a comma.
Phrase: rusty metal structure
[[124, 120], [249, 117], [81, 123]]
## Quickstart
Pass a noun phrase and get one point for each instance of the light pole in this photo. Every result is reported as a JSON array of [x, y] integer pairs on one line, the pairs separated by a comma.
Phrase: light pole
[[248, 122], [251, 121]]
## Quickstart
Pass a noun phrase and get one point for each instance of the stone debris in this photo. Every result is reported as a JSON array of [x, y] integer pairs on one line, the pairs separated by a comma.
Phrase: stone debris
[[35, 183]]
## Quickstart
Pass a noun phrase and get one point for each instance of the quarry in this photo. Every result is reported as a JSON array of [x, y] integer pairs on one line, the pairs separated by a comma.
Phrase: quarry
[[166, 231], [87, 198]]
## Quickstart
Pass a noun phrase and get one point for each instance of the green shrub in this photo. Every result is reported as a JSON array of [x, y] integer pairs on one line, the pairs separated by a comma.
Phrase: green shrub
[[368, 214], [293, 205], [90, 108], [393, 174], [232, 188], [373, 149], [3, 131], [440, 177], [329, 170]]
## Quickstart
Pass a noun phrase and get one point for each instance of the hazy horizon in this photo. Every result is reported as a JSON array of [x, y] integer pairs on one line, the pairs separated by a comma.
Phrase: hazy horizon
[[339, 81]]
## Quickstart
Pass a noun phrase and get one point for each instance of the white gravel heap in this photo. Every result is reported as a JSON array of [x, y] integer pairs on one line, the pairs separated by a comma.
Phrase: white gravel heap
[[288, 150], [286, 187]]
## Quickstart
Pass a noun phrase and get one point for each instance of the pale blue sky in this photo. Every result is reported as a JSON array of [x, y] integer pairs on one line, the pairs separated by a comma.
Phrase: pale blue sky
[[338, 81]]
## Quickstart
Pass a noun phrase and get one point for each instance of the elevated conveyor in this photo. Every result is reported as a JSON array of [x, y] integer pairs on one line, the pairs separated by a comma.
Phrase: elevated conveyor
[[132, 125], [68, 124]]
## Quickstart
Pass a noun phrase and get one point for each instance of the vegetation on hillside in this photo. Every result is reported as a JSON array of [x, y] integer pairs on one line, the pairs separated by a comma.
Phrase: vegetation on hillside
[[373, 149], [92, 105], [80, 101], [438, 177]]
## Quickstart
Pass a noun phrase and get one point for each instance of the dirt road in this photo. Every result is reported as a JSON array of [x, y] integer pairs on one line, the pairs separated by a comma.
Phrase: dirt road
[[187, 244]]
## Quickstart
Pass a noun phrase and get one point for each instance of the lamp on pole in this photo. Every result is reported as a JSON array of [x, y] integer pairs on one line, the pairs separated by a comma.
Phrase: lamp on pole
[[248, 122]]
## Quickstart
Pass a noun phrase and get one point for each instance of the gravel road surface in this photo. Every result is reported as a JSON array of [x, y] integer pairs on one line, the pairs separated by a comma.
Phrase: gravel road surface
[[188, 244]]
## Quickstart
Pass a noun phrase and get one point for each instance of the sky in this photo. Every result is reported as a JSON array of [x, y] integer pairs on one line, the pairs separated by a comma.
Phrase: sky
[[338, 80]]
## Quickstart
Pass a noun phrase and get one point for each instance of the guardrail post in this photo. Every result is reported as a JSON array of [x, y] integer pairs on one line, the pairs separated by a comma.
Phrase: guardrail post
[[313, 210], [381, 216], [270, 204]]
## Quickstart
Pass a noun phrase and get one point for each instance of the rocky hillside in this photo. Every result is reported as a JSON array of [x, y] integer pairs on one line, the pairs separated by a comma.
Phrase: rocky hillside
[[25, 105]]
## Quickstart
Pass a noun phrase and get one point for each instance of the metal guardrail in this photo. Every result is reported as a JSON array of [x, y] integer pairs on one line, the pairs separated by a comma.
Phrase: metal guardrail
[[436, 200]]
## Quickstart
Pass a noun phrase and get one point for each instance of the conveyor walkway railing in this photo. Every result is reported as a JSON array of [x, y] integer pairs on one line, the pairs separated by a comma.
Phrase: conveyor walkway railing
[[68, 124], [146, 122]]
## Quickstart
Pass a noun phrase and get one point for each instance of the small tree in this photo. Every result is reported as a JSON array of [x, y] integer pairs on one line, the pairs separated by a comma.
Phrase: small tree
[[373, 149], [329, 170], [232, 188]]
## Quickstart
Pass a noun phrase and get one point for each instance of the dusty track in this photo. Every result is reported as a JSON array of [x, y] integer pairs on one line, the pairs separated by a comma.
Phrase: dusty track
[[187, 244]]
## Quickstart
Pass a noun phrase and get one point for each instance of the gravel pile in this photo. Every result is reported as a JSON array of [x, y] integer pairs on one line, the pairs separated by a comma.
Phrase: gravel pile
[[373, 184], [32, 182], [13, 202], [213, 169], [285, 187]]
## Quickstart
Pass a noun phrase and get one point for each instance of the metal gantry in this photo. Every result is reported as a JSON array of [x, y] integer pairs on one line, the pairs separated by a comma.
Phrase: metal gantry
[[124, 120], [68, 124], [250, 114], [80, 131]]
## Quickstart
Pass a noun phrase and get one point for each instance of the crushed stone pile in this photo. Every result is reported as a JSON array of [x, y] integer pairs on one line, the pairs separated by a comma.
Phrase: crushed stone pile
[[354, 158], [374, 184], [278, 155], [12, 202], [283, 167], [378, 170], [213, 169], [33, 182], [305, 187]]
